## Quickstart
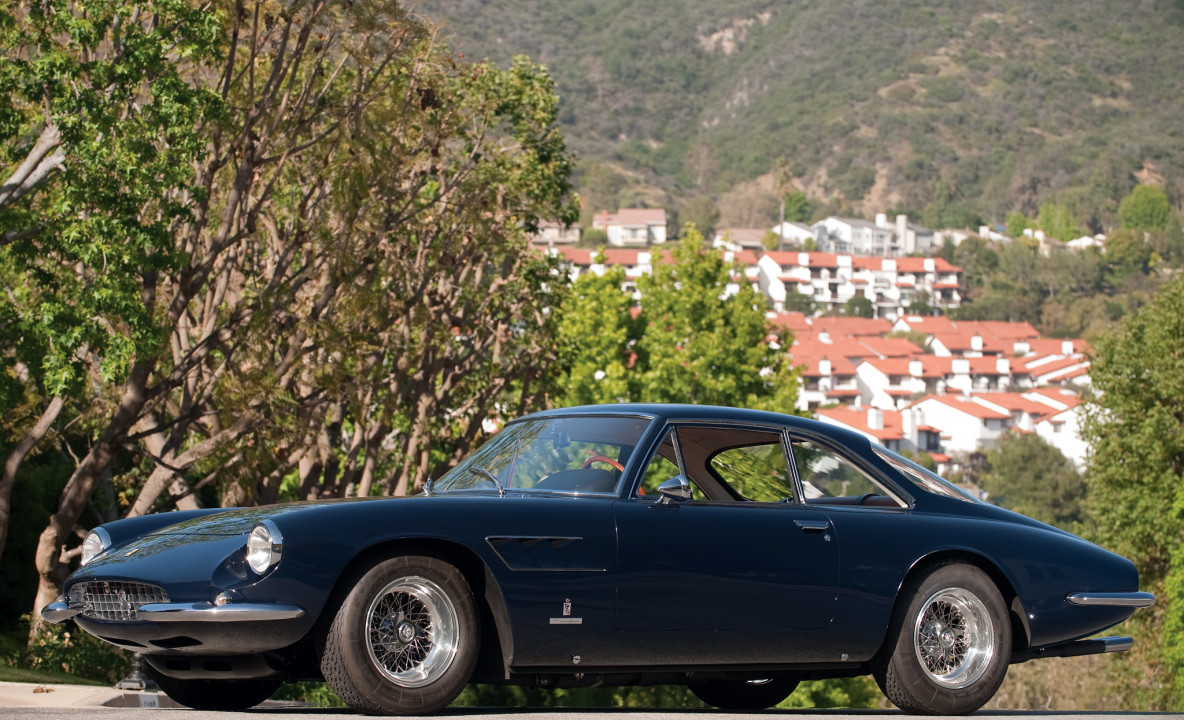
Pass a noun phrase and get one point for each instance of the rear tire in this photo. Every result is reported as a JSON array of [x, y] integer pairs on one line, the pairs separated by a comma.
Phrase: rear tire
[[225, 695], [950, 643], [745, 694], [405, 640]]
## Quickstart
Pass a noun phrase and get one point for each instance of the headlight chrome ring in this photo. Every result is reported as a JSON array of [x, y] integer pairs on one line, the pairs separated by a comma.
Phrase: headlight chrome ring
[[96, 543], [265, 546]]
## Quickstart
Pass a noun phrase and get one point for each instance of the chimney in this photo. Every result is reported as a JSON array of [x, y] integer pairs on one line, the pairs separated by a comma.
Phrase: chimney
[[1067, 347], [908, 418], [960, 366], [1002, 366], [875, 418], [824, 367], [907, 245], [930, 265], [976, 342], [916, 368], [882, 220], [804, 259], [1021, 347]]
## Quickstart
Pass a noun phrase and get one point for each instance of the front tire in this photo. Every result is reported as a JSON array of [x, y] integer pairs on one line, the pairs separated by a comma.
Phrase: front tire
[[223, 695], [745, 694], [951, 643], [405, 639]]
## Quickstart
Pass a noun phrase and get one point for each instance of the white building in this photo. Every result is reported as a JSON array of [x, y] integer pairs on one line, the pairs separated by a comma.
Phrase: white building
[[831, 280], [633, 226]]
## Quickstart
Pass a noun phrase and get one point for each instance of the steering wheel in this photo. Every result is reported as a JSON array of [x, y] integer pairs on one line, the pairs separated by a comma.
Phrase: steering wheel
[[601, 458]]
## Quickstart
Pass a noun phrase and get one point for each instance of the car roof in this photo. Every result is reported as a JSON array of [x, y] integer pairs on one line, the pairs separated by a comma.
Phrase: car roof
[[674, 412]]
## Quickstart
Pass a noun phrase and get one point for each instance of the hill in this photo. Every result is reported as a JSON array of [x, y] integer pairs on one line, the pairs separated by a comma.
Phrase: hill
[[950, 108]]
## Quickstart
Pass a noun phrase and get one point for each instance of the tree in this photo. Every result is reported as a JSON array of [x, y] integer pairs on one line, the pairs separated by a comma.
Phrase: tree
[[691, 342], [859, 306], [1136, 468], [798, 207], [1031, 477], [88, 207], [1146, 208], [702, 212], [597, 332], [330, 289], [1057, 221]]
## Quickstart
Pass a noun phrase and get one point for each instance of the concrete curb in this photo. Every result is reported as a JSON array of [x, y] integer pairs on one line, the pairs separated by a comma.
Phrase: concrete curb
[[53, 695]]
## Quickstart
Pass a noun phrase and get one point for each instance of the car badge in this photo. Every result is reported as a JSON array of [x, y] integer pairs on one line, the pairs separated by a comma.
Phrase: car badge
[[567, 619]]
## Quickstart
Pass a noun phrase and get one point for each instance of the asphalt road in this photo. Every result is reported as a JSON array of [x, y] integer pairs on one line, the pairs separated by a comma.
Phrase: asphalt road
[[44, 713]]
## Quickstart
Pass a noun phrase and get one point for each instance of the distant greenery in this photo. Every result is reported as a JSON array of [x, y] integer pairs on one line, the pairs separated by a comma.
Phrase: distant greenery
[[1028, 475], [963, 111]]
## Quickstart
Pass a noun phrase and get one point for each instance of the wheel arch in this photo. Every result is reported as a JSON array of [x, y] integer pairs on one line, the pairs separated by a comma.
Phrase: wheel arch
[[497, 651], [1020, 631]]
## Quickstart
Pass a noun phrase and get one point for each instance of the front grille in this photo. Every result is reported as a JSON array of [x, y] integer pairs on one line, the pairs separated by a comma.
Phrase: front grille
[[114, 600]]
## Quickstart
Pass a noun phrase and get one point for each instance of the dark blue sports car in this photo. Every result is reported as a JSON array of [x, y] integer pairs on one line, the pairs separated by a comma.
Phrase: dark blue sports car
[[735, 552]]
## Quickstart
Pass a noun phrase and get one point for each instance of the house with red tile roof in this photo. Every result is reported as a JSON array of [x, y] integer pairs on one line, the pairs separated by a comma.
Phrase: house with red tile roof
[[965, 425], [632, 226], [899, 431]]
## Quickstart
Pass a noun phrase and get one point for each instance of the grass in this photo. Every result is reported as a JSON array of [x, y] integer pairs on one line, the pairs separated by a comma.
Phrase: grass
[[23, 675]]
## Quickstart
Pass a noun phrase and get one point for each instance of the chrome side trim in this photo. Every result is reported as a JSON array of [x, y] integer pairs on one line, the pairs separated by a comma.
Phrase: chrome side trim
[[59, 611], [1112, 599], [206, 612]]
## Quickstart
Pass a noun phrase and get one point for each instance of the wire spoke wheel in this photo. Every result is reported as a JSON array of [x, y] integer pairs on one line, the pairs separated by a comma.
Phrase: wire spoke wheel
[[412, 631], [954, 638]]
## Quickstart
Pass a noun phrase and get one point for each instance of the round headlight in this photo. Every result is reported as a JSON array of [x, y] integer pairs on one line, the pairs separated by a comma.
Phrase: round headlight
[[264, 546], [96, 542]]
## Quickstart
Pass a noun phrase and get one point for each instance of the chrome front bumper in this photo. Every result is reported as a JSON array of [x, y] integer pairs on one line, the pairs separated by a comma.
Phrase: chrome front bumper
[[62, 610]]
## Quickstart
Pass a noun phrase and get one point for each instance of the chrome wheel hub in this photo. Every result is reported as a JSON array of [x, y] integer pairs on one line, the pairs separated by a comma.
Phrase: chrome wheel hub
[[412, 632], [954, 638]]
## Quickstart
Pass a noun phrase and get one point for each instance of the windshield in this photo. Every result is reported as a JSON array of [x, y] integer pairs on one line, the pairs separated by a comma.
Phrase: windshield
[[562, 454], [926, 479]]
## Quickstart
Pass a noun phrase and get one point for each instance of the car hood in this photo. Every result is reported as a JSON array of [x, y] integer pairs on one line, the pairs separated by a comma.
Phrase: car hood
[[240, 521]]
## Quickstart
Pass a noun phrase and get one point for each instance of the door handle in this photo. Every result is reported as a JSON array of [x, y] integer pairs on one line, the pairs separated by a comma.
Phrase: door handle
[[812, 526]]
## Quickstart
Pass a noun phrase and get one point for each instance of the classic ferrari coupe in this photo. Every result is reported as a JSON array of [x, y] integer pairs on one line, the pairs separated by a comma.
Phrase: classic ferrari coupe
[[732, 551]]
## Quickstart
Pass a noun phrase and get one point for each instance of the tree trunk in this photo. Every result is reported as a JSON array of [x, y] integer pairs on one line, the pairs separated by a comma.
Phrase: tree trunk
[[75, 496], [27, 443]]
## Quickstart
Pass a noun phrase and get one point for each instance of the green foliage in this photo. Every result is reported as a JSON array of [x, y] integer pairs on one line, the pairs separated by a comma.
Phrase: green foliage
[[1017, 223], [1031, 477], [314, 693], [597, 333], [127, 122], [702, 213], [1132, 426], [689, 343], [1013, 110], [1146, 208], [859, 306], [859, 692], [1057, 221], [68, 649], [798, 207]]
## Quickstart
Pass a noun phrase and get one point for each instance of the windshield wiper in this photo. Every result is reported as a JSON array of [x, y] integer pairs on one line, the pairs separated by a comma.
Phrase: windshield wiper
[[478, 470]]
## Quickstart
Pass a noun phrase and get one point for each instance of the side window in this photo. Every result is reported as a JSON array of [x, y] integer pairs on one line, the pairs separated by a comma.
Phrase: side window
[[663, 466], [756, 472], [829, 477]]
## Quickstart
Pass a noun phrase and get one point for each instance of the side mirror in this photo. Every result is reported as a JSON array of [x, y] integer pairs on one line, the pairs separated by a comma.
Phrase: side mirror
[[676, 489]]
